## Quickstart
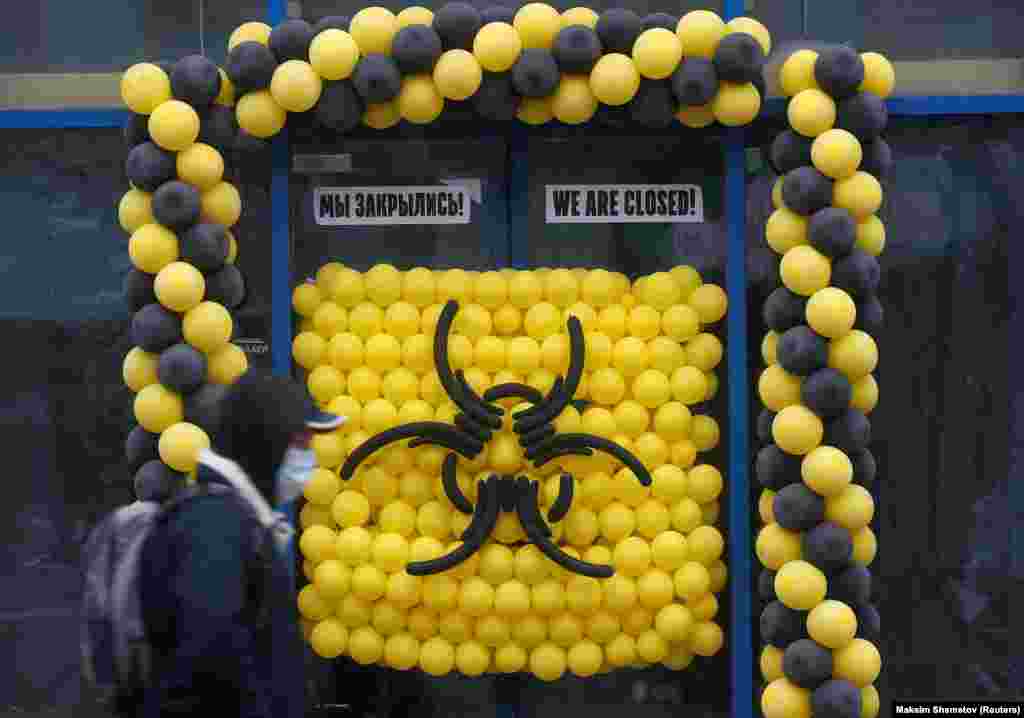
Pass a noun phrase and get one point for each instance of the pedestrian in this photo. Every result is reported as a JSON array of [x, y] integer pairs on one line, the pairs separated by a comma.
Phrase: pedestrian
[[225, 636]]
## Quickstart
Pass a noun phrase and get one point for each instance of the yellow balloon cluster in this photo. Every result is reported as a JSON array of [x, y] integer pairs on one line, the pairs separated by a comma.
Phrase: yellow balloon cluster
[[365, 340], [827, 472], [179, 287]]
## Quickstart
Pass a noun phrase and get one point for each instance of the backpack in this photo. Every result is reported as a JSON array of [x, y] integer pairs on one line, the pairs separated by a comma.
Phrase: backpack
[[115, 649]]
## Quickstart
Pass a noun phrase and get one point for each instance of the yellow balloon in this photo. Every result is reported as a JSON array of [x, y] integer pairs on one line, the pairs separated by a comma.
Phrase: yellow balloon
[[419, 101], [497, 46], [811, 112], [736, 105], [139, 369], [329, 638], [797, 430], [805, 270], [457, 75], [580, 16], [700, 31], [373, 29], [537, 24], [415, 15], [179, 286], [535, 110], [221, 204], [381, 116], [697, 116], [615, 79], [797, 73], [157, 408], [865, 394], [135, 210], [333, 54], [227, 364], [180, 444], [871, 235], [657, 53], [152, 247], [207, 327], [174, 125], [260, 115], [860, 194], [573, 102], [250, 32], [226, 96], [782, 699], [753, 28], [296, 86], [836, 154], [831, 312], [785, 229], [879, 75], [201, 166], [833, 624], [144, 87]]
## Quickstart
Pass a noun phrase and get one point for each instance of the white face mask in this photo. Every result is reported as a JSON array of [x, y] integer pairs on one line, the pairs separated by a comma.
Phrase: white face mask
[[295, 472]]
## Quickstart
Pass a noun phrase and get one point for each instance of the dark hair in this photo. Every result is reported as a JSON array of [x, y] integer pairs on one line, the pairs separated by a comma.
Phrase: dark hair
[[259, 415]]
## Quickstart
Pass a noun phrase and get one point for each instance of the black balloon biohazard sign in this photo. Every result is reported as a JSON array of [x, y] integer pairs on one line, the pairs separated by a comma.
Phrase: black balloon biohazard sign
[[353, 206]]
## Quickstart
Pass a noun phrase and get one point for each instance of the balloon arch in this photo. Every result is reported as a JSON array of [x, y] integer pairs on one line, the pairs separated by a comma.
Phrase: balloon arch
[[537, 65]]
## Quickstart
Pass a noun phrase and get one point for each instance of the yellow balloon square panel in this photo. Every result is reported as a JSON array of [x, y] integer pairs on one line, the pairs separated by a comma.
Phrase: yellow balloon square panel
[[626, 572]]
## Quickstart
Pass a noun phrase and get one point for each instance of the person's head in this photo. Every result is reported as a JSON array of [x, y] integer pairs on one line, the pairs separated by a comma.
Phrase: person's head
[[261, 416]]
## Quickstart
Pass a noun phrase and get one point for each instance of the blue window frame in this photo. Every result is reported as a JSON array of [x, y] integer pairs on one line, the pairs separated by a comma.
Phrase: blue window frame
[[742, 658]]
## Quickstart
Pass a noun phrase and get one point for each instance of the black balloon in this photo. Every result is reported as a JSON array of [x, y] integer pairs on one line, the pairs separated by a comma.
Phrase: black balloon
[[852, 585], [496, 99], [797, 508], [219, 127], [205, 246], [784, 310], [858, 274], [864, 115], [577, 48], [832, 231], [865, 468], [654, 105], [416, 48], [340, 108], [202, 407], [807, 664], [836, 699], [155, 481], [457, 24], [250, 66], [826, 392], [781, 625], [805, 190], [869, 623], [662, 20], [801, 351], [877, 159], [616, 116], [497, 14], [140, 447], [618, 29], [195, 80], [249, 145], [827, 546], [764, 425], [136, 129], [138, 289], [789, 150], [776, 469], [839, 71], [155, 328], [695, 82], [849, 432], [332, 22], [870, 315], [535, 73], [290, 40], [766, 584], [739, 58], [226, 287], [182, 368], [176, 205], [149, 166], [377, 79]]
